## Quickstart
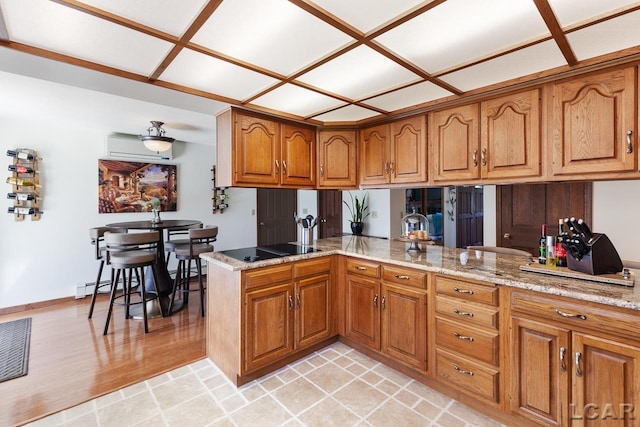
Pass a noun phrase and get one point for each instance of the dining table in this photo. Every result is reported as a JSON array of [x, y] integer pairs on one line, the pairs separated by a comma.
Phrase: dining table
[[164, 284]]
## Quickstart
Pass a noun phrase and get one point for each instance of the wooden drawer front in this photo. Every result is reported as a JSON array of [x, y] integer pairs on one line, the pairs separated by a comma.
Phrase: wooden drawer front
[[404, 276], [466, 290], [461, 373], [312, 267], [268, 275], [363, 268], [467, 313], [577, 313], [463, 339]]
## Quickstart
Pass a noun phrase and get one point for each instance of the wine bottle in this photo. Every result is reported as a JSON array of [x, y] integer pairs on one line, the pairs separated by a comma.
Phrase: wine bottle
[[561, 252], [22, 197], [22, 169], [550, 253], [21, 182], [542, 247], [22, 211], [24, 155], [222, 206]]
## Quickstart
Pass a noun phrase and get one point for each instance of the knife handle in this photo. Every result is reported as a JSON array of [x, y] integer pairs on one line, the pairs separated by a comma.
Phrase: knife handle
[[586, 230]]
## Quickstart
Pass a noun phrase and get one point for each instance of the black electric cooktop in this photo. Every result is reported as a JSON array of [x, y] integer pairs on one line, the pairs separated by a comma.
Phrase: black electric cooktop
[[261, 253]]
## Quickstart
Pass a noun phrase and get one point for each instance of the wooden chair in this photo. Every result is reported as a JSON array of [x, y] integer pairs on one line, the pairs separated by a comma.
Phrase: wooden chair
[[133, 252], [97, 240], [200, 240], [500, 250]]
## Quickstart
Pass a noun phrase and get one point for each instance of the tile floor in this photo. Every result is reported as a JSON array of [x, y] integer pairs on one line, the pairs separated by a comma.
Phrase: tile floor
[[336, 386]]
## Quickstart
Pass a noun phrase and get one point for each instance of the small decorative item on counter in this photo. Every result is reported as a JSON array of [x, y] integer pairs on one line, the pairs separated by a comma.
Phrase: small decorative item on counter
[[155, 206], [359, 212], [415, 226]]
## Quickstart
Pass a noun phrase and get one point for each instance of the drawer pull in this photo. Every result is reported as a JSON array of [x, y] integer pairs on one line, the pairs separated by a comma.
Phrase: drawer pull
[[402, 277], [572, 315], [578, 369], [463, 291], [462, 371], [462, 313], [462, 337], [361, 268], [563, 365]]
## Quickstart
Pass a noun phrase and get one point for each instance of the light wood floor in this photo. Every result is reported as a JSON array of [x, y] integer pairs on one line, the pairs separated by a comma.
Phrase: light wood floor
[[71, 361]]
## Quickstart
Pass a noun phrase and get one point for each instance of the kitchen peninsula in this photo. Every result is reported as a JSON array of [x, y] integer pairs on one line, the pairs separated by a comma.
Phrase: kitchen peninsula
[[519, 346]]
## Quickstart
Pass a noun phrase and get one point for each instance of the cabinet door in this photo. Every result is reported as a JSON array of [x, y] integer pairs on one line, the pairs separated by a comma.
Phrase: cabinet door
[[298, 155], [268, 325], [455, 143], [312, 316], [404, 325], [256, 150], [408, 162], [511, 136], [591, 118], [605, 385], [540, 371], [363, 312], [374, 155], [337, 159]]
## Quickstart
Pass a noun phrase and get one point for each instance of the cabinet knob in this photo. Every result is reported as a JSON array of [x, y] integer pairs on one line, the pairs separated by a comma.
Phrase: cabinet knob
[[261, 223], [507, 236]]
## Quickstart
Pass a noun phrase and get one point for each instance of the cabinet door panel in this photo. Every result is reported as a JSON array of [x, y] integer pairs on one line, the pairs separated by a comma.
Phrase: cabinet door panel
[[363, 313], [455, 139], [337, 159], [268, 325], [404, 319], [298, 156], [256, 150], [511, 136], [539, 384], [591, 117], [312, 310], [374, 155], [408, 151]]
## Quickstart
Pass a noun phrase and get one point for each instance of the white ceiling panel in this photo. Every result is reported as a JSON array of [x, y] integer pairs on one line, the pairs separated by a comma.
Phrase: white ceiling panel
[[458, 31], [412, 95], [523, 62], [296, 100], [215, 76], [169, 16], [48, 25], [377, 13], [350, 113], [358, 73], [570, 12], [614, 34], [272, 34]]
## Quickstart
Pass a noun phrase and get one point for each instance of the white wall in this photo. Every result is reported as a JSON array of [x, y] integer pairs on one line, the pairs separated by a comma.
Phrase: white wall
[[378, 224], [43, 260]]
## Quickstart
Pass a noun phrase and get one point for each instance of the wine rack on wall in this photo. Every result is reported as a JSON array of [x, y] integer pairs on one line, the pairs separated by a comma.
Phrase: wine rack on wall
[[220, 197], [25, 184]]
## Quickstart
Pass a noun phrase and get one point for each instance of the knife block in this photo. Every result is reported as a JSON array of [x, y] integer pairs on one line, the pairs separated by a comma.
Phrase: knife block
[[602, 258]]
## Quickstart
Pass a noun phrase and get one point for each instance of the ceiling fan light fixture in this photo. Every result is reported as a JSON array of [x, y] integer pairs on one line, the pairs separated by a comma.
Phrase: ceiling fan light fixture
[[155, 140]]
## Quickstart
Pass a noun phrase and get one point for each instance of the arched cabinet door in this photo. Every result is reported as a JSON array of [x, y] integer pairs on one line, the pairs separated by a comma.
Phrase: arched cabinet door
[[337, 158]]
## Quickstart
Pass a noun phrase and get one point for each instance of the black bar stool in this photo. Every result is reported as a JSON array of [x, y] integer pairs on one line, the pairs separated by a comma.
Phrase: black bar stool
[[97, 240]]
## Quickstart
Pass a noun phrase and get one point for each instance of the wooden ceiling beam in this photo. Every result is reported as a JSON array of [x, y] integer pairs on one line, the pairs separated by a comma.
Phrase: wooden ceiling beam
[[544, 8]]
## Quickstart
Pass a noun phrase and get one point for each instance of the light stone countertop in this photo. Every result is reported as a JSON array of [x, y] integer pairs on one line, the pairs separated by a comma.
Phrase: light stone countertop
[[484, 266]]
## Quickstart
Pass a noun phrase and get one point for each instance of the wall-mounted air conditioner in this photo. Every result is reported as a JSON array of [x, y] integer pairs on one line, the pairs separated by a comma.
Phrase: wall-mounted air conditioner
[[125, 146]]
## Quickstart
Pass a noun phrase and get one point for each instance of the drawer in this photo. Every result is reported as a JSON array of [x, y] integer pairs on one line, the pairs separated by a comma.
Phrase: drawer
[[461, 373], [466, 312], [580, 314], [312, 266], [473, 342], [469, 291], [363, 268], [268, 275], [404, 276]]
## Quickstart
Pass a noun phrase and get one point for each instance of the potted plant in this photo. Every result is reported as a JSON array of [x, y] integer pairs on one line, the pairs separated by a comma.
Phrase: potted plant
[[359, 212]]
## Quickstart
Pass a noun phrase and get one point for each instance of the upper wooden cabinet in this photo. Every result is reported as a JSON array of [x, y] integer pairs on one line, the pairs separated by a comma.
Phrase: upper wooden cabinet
[[510, 136], [592, 118], [394, 153], [337, 152], [454, 140], [257, 151]]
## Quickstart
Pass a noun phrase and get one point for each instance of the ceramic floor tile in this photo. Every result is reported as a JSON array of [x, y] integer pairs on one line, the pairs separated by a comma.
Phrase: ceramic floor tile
[[298, 395], [329, 377], [128, 412], [177, 391], [393, 413], [199, 411], [360, 397], [264, 412], [328, 413]]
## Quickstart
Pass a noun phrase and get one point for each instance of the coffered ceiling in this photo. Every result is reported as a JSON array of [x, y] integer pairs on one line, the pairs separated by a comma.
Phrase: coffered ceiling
[[325, 61]]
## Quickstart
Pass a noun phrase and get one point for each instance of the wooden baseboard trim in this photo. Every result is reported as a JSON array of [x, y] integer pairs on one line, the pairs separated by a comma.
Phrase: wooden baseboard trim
[[34, 305]]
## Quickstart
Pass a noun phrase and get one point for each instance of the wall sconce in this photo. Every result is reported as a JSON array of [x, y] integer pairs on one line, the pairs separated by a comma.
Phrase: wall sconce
[[155, 140]]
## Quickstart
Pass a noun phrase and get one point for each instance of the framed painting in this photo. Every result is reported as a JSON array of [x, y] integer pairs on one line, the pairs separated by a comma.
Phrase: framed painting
[[125, 186]]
